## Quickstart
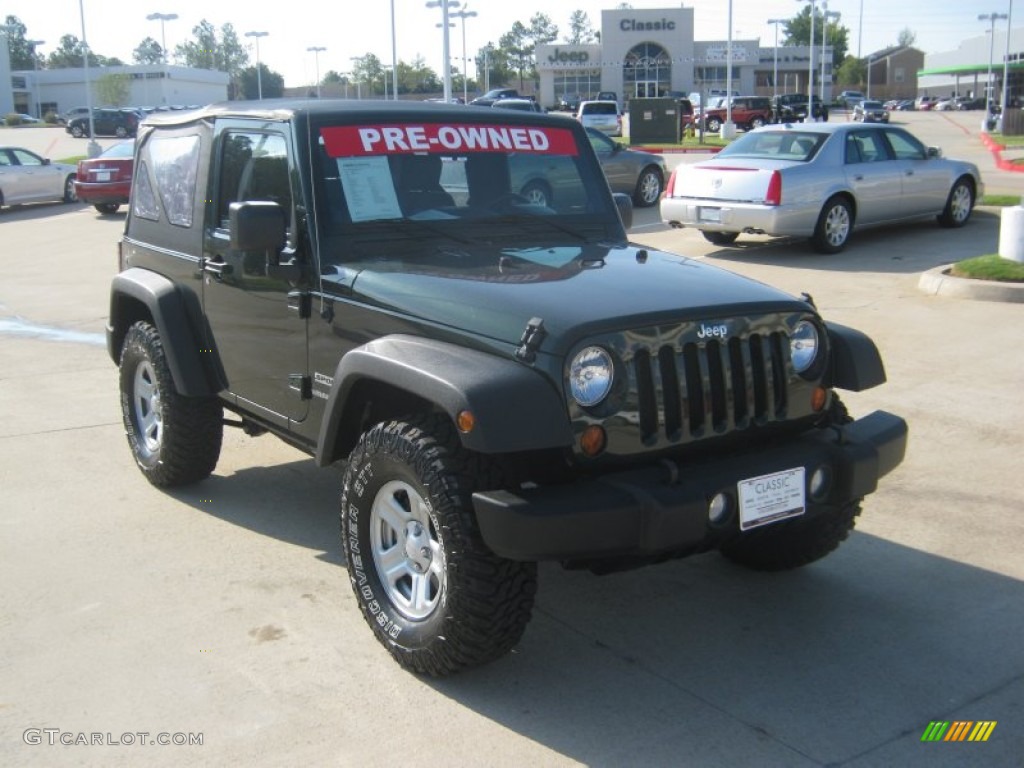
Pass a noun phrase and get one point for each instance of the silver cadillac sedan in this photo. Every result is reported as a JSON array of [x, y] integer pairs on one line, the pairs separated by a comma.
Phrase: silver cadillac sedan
[[819, 180]]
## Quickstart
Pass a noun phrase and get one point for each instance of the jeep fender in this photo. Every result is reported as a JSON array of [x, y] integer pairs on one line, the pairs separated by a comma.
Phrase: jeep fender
[[166, 306], [516, 408], [856, 363]]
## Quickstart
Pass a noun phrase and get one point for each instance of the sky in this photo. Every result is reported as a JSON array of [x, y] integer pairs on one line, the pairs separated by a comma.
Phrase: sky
[[351, 29]]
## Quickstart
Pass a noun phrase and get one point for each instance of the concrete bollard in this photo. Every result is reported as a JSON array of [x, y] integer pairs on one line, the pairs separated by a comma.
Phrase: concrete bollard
[[1011, 233]]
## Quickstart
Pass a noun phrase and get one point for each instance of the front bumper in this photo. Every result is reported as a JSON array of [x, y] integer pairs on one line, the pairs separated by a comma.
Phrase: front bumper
[[662, 509]]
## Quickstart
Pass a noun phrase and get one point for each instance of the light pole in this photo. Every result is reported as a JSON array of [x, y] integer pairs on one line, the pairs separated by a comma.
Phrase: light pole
[[825, 16], [444, 5], [871, 60], [1006, 68], [356, 60], [810, 67], [162, 18], [775, 66], [35, 71], [316, 49], [394, 54], [259, 73], [993, 18], [464, 14], [728, 129]]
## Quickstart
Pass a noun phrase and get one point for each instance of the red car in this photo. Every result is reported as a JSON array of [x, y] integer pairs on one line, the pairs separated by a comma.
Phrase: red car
[[106, 181]]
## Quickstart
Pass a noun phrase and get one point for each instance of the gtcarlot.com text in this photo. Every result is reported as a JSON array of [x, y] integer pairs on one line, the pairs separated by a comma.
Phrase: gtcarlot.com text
[[56, 737]]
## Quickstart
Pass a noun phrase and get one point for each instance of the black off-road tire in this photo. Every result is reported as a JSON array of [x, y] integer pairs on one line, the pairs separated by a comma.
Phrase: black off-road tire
[[175, 439], [959, 204], [835, 224], [799, 541], [432, 592], [720, 238], [107, 208]]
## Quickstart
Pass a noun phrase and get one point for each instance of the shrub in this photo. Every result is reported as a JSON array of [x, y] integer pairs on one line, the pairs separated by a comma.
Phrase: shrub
[[12, 118]]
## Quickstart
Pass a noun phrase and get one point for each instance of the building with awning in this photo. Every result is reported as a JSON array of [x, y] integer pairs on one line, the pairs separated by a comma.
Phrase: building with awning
[[965, 71]]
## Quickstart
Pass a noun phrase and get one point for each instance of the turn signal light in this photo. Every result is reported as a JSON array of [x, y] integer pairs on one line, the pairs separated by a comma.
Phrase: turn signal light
[[465, 421], [593, 440], [819, 397]]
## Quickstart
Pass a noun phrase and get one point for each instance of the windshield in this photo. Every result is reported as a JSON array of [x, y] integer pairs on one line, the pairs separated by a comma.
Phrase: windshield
[[776, 145], [461, 182]]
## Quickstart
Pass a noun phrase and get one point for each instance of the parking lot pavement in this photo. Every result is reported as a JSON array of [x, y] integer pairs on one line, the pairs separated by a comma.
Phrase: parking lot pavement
[[223, 610]]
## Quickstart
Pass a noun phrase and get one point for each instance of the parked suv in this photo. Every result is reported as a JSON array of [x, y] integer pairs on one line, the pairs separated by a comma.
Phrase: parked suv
[[792, 108], [106, 122], [503, 382], [601, 115], [747, 112], [495, 94]]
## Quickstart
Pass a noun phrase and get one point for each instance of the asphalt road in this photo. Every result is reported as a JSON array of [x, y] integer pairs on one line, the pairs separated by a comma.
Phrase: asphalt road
[[224, 611]]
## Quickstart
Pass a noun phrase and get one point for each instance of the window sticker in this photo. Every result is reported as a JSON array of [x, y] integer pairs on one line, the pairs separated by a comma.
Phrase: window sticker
[[369, 189], [441, 138]]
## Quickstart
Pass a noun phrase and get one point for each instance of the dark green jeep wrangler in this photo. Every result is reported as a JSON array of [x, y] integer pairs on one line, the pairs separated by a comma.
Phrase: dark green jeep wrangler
[[504, 382]]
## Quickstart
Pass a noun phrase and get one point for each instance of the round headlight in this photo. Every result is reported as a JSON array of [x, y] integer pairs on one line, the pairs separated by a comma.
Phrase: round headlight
[[803, 345], [590, 376]]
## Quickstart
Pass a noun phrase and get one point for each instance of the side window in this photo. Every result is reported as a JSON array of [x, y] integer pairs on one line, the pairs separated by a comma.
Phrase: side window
[[166, 177], [871, 147], [254, 166], [905, 146], [25, 158]]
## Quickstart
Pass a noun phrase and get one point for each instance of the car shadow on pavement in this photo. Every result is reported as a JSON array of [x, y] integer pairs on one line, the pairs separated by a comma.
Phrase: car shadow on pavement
[[700, 662], [33, 211], [907, 248], [294, 502]]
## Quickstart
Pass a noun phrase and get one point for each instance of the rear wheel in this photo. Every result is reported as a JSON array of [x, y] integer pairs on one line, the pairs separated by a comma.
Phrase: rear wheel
[[648, 187], [537, 193], [121, 132], [834, 226], [429, 588], [959, 204], [77, 131], [720, 238], [175, 439], [70, 196], [757, 122], [714, 125]]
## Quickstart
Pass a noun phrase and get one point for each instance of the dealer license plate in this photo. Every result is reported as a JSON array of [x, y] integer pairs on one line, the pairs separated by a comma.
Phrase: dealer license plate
[[770, 498], [710, 215]]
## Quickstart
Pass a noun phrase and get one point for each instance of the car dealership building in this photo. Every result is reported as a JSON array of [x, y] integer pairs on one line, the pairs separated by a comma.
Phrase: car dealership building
[[648, 53]]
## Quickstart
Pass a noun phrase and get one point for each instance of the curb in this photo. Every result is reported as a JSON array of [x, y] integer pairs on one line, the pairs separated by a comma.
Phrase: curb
[[938, 282], [997, 151]]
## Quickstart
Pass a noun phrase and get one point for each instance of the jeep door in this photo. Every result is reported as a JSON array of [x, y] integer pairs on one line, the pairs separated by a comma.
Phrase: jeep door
[[252, 305]]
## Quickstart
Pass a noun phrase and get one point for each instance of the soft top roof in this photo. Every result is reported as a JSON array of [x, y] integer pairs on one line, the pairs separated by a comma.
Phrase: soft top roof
[[350, 110]]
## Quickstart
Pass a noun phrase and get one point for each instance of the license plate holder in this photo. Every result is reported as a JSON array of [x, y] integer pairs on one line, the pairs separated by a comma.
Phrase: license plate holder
[[709, 215], [102, 175], [769, 498]]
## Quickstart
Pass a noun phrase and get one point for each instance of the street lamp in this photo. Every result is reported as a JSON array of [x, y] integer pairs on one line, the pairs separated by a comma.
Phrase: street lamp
[[1006, 68], [444, 5], [394, 54], [728, 129], [993, 18], [810, 67], [259, 73], [464, 14], [35, 71], [316, 56], [775, 66], [825, 16], [162, 18]]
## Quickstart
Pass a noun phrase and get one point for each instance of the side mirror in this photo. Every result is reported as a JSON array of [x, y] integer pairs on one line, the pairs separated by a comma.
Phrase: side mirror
[[46, 161], [934, 152], [257, 226], [624, 204]]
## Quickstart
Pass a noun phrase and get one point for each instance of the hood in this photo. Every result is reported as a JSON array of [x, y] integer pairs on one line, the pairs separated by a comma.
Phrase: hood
[[576, 290]]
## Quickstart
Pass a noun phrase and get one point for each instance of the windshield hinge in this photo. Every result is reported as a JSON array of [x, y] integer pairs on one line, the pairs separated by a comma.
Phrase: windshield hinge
[[531, 340]]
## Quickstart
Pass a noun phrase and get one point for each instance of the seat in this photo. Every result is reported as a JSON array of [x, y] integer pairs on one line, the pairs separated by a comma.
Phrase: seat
[[419, 184]]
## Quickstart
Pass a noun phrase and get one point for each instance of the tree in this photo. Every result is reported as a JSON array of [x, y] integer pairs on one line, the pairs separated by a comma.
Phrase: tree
[[23, 55], [518, 44], [69, 54], [495, 62], [368, 72], [852, 71], [580, 29], [225, 54], [907, 38], [113, 88], [148, 52], [272, 82]]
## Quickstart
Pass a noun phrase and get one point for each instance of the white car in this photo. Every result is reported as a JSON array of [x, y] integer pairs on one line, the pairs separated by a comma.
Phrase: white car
[[819, 180], [25, 177], [600, 115]]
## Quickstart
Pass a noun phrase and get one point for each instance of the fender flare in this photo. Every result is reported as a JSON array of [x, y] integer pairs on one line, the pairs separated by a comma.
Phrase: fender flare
[[856, 362], [182, 344], [516, 407]]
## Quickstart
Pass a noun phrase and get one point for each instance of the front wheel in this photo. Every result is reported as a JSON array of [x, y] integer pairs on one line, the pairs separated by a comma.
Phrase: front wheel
[[959, 205], [121, 132], [536, 193], [106, 208], [714, 125], [834, 226], [648, 188], [431, 591], [175, 439], [70, 196], [77, 131], [756, 123]]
